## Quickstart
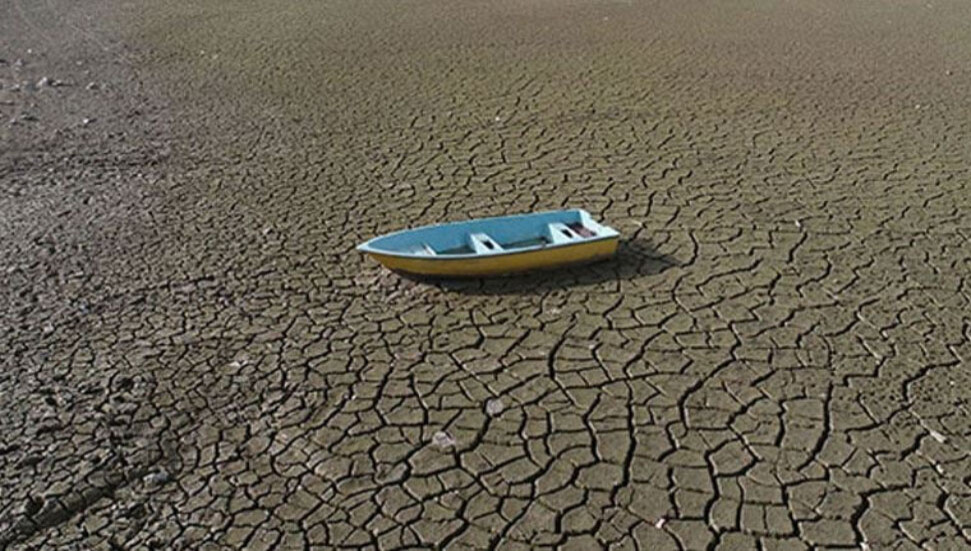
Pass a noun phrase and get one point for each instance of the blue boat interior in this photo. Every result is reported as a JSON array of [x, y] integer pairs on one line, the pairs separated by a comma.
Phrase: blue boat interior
[[493, 236]]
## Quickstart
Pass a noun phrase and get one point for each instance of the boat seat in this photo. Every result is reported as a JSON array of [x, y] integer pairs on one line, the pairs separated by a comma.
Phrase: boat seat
[[483, 244], [560, 233], [421, 250]]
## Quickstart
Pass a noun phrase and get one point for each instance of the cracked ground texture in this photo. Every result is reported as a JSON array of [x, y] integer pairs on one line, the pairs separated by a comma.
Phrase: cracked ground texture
[[194, 357]]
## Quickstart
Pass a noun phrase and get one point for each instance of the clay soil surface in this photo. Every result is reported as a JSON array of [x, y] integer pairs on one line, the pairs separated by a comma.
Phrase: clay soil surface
[[192, 355]]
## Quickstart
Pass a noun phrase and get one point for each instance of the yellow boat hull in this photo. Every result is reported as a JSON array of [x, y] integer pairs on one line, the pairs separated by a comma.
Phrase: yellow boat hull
[[501, 264]]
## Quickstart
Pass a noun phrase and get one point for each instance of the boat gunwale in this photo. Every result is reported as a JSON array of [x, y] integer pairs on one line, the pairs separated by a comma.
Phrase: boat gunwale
[[367, 248]]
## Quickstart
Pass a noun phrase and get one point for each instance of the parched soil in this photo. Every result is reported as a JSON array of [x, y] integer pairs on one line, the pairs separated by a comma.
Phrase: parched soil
[[193, 356]]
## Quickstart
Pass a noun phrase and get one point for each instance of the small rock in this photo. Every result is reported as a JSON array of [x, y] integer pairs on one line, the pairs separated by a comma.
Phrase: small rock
[[937, 436], [44, 81], [948, 72], [494, 407], [798, 224], [48, 329], [19, 63], [157, 478], [917, 106], [87, 121], [659, 523], [92, 86], [443, 440]]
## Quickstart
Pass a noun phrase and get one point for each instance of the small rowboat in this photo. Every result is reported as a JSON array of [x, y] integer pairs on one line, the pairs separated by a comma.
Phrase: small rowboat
[[495, 246]]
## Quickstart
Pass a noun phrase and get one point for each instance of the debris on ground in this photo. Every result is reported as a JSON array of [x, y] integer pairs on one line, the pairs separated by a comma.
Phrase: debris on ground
[[494, 407], [443, 440]]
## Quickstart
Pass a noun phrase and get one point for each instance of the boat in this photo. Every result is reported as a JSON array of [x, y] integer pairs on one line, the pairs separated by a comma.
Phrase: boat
[[495, 246]]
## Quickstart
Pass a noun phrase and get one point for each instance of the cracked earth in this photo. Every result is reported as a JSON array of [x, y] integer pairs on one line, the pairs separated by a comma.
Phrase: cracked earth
[[194, 357]]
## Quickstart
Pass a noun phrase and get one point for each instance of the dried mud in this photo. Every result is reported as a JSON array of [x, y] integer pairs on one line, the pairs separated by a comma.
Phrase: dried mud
[[194, 357]]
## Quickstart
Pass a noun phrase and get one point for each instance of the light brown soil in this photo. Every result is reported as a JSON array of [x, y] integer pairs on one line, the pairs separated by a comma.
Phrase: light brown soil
[[193, 356]]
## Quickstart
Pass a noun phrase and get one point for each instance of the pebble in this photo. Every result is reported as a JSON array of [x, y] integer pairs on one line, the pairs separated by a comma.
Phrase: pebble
[[494, 407], [157, 478], [937, 436], [659, 523], [48, 329], [92, 86], [44, 81], [443, 439], [87, 121]]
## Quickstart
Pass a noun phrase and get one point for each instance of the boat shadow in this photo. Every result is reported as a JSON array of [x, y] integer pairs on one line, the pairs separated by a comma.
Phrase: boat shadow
[[635, 258]]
